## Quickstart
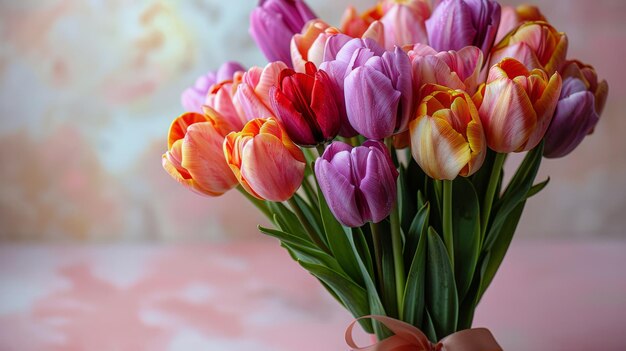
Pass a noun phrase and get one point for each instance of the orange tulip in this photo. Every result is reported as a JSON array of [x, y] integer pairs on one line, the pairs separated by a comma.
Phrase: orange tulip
[[516, 105], [264, 160], [309, 46], [194, 156], [535, 44], [447, 138], [512, 17]]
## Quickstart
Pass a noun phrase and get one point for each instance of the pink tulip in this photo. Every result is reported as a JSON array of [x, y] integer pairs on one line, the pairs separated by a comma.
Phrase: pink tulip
[[535, 44], [264, 160], [194, 98], [253, 94], [516, 105], [512, 17], [452, 69], [404, 22], [194, 156], [309, 46]]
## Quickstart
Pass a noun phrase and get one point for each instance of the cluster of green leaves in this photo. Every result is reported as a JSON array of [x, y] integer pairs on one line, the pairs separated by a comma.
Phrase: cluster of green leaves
[[440, 293]]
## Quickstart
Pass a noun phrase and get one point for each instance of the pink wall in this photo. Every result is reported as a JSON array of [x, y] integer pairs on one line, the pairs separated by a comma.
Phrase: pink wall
[[88, 89]]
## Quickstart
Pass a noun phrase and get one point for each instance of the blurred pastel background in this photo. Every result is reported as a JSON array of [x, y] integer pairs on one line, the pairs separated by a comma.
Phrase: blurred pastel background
[[88, 89]]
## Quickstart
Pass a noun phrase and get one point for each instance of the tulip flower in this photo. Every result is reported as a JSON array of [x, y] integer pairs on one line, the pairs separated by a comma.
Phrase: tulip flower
[[453, 69], [355, 25], [516, 105], [274, 22], [195, 158], [309, 46], [456, 24], [253, 94], [512, 17], [535, 44], [306, 106], [578, 110], [338, 64], [404, 22], [222, 107], [378, 88], [266, 162], [447, 137], [358, 183], [194, 98]]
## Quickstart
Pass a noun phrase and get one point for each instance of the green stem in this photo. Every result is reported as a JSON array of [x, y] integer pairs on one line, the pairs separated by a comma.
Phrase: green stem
[[259, 204], [375, 227], [398, 258], [491, 191], [320, 149], [307, 226], [448, 234]]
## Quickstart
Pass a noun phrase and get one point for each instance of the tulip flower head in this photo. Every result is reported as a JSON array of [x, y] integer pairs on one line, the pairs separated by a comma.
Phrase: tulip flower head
[[355, 25], [578, 110], [195, 158], [274, 22], [309, 46], [266, 162], [358, 183], [512, 17], [404, 22], [535, 44], [447, 138], [194, 98], [452, 69], [253, 94], [516, 105], [456, 24], [306, 106]]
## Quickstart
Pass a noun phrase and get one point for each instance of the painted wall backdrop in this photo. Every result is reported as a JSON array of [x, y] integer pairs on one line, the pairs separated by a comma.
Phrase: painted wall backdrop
[[88, 89]]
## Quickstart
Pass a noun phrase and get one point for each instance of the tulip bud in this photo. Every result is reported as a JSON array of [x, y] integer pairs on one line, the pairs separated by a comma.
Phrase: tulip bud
[[358, 183], [512, 17], [195, 158], [535, 44], [309, 46], [516, 105], [578, 110], [447, 138], [194, 98], [456, 24], [253, 94], [378, 91], [264, 160], [274, 22], [306, 106], [404, 22], [452, 69]]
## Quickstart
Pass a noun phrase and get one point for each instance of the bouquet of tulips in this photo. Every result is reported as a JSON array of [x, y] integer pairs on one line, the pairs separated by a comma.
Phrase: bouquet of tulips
[[376, 149]]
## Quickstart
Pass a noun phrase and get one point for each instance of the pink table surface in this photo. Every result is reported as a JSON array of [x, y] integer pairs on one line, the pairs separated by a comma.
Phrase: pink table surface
[[251, 296]]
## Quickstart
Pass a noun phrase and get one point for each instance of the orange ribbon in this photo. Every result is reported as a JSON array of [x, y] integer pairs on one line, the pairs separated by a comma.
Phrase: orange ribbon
[[409, 338]]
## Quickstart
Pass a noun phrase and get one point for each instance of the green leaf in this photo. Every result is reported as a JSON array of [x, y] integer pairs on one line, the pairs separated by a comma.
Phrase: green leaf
[[516, 192], [375, 304], [311, 215], [466, 228], [428, 327], [337, 239], [352, 296], [406, 200], [415, 283], [441, 294], [418, 226], [496, 255], [363, 249], [287, 220], [286, 237], [537, 188]]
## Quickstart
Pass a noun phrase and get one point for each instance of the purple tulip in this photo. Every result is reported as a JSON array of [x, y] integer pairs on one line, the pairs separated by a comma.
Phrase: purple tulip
[[193, 98], [274, 22], [358, 183], [578, 110], [456, 24]]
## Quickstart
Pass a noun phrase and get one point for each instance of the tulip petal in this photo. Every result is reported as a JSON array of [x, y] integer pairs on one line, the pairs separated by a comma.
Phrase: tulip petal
[[371, 102], [544, 108], [202, 157], [296, 125], [252, 106], [378, 186], [270, 169], [339, 193], [507, 115]]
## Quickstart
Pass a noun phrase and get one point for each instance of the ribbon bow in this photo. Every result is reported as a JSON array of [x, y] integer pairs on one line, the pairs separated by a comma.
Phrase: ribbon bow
[[408, 337]]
